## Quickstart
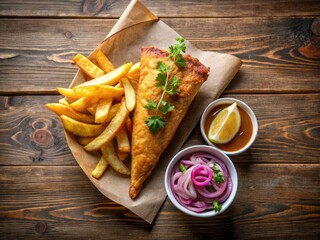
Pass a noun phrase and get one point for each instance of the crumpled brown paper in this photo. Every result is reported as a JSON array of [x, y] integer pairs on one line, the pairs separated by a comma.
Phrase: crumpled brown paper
[[138, 27]]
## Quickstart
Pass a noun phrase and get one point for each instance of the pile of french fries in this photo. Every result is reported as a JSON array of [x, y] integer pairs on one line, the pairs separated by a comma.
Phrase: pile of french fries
[[97, 111]]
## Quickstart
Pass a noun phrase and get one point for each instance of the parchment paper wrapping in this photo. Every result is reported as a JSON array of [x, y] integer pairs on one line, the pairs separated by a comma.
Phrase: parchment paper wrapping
[[138, 27]]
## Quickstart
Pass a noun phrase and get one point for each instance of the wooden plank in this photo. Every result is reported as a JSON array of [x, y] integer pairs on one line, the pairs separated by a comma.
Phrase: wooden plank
[[288, 130], [164, 8], [31, 134], [36, 53], [51, 202]]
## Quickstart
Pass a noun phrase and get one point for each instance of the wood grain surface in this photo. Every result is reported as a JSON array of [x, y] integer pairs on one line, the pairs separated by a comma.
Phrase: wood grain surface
[[44, 194], [37, 135], [45, 202], [269, 48], [163, 8]]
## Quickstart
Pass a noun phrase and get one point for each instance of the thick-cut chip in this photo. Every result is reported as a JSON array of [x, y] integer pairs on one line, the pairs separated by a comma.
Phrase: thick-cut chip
[[122, 155], [111, 130], [87, 66], [81, 129], [100, 91], [92, 109], [123, 140], [104, 62], [103, 109], [113, 111], [111, 156], [118, 85], [134, 72], [67, 92], [134, 75], [83, 103], [110, 78], [61, 109], [100, 168], [84, 140], [129, 125], [64, 101], [129, 93], [118, 99]]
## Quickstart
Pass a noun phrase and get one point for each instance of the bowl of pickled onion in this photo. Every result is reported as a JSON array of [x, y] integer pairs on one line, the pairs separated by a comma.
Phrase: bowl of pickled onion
[[201, 181]]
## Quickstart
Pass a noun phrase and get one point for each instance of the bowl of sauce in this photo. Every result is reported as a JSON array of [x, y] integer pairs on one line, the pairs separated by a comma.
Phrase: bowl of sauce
[[244, 137]]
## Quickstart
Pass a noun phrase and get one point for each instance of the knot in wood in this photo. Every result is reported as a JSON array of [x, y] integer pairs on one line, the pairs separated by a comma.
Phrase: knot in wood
[[68, 34], [10, 101], [42, 137], [93, 7], [41, 227], [315, 26], [41, 123]]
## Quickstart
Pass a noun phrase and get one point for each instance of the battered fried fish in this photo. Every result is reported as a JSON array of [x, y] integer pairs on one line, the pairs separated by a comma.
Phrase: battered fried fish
[[147, 147]]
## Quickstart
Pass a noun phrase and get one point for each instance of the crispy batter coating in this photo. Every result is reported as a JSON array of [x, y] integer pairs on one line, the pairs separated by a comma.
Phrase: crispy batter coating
[[147, 147]]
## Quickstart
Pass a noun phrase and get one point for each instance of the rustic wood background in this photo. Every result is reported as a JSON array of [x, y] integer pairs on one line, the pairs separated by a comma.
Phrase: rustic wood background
[[45, 194]]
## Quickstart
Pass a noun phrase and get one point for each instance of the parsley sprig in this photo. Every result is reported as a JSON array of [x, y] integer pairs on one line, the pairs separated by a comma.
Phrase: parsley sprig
[[218, 177], [182, 168], [217, 206], [169, 85]]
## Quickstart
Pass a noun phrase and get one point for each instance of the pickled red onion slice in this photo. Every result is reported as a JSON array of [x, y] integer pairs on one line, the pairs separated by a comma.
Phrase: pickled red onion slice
[[195, 189], [201, 175]]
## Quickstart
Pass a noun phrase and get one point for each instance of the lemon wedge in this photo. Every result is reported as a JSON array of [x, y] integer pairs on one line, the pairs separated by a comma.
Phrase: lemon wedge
[[225, 125]]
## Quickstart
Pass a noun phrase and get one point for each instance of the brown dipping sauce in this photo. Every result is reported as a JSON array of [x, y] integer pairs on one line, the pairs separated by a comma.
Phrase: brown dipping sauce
[[242, 137]]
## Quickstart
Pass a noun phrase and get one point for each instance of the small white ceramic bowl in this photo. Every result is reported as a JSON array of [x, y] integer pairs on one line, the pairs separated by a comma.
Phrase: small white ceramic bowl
[[241, 104], [213, 151]]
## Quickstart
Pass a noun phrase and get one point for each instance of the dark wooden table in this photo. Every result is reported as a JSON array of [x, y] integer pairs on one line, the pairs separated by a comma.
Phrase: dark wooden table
[[45, 194]]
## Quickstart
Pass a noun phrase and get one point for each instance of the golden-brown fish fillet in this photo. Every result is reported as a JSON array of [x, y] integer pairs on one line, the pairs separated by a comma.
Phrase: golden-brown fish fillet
[[147, 147]]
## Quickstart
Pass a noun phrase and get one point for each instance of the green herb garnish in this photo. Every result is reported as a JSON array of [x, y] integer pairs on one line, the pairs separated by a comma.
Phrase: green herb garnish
[[182, 168], [216, 206], [218, 177], [168, 84]]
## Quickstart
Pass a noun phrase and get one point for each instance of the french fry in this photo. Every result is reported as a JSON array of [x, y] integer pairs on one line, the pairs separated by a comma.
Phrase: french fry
[[123, 140], [118, 85], [118, 99], [61, 109], [129, 93], [104, 62], [129, 125], [122, 155], [87, 66], [81, 129], [110, 78], [102, 91], [113, 110], [67, 92], [83, 103], [111, 156], [97, 111], [134, 72], [134, 75], [92, 109], [64, 101], [100, 168], [111, 130], [103, 109], [84, 140]]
